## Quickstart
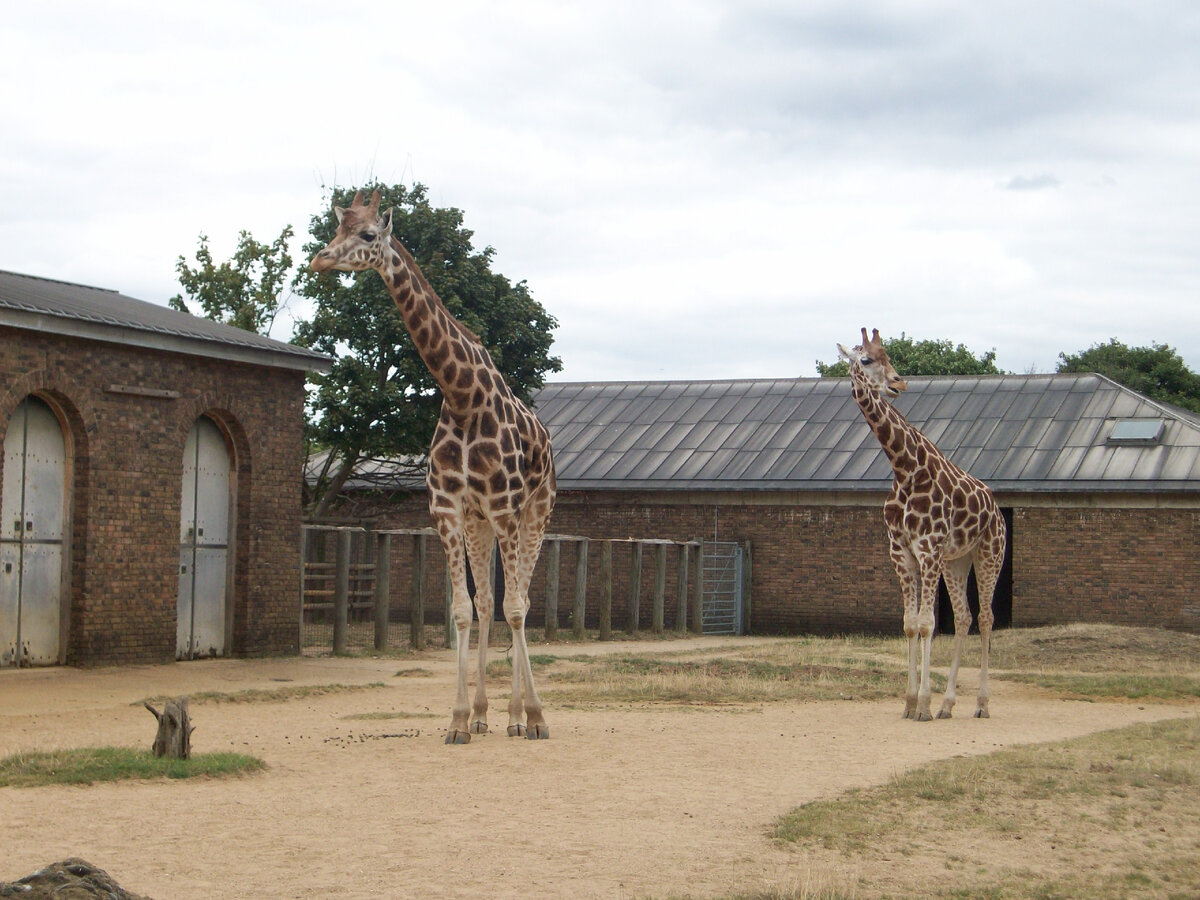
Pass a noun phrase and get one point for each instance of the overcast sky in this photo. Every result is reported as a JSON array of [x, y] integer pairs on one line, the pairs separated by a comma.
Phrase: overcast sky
[[693, 190]]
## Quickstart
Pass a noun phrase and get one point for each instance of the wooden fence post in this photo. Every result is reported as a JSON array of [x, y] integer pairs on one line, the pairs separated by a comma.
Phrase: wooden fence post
[[698, 590], [581, 559], [383, 580], [553, 559], [606, 590], [341, 592], [416, 637], [635, 586], [660, 588], [685, 553], [747, 572]]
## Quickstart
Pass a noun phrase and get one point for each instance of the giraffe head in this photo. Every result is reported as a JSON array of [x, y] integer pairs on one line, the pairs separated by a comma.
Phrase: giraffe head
[[361, 240], [870, 360]]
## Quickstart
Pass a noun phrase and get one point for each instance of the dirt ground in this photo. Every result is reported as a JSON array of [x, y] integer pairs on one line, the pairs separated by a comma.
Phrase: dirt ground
[[639, 802]]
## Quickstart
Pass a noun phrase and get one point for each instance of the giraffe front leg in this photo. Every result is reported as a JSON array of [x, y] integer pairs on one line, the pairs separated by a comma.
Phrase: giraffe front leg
[[908, 572], [910, 691], [460, 609], [480, 542], [479, 706], [925, 624]]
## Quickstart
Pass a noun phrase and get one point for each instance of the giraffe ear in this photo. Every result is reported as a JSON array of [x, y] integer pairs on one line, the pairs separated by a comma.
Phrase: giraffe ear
[[844, 353], [339, 211], [385, 220]]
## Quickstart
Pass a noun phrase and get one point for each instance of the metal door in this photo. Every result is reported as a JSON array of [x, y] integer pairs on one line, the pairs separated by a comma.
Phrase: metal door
[[722, 599], [31, 537], [203, 543]]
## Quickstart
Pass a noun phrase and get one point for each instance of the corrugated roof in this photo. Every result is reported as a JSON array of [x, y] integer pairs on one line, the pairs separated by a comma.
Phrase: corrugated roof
[[1015, 432], [59, 307]]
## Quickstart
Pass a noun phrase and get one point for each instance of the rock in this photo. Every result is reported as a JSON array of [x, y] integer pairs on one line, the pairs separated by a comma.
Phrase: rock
[[71, 879]]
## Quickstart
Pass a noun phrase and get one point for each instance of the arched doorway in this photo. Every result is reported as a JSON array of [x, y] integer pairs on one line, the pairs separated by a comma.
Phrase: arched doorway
[[32, 522], [204, 543]]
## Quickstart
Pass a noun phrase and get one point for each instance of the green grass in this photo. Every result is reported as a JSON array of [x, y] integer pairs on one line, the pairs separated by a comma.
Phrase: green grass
[[89, 765]]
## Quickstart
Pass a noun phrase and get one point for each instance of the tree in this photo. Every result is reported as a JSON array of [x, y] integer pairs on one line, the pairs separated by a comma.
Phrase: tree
[[929, 357], [380, 402], [245, 291], [1157, 371]]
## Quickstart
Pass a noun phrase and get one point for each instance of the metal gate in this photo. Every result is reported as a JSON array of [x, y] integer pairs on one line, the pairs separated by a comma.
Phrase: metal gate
[[722, 606], [31, 537], [203, 543]]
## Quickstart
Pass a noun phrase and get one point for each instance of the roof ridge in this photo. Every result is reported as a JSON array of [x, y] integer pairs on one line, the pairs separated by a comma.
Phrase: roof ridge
[[62, 281]]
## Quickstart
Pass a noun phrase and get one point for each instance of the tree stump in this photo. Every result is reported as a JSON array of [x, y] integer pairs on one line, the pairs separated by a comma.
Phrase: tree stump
[[174, 738]]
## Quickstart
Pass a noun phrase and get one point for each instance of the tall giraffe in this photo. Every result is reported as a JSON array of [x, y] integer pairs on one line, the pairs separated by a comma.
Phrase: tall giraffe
[[940, 522], [491, 472]]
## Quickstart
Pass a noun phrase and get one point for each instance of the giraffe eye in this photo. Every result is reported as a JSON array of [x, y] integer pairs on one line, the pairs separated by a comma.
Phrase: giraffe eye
[[865, 361], [368, 236]]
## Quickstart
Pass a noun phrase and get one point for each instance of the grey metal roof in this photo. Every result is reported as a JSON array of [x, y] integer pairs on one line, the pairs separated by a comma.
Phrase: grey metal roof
[[1015, 432], [76, 310]]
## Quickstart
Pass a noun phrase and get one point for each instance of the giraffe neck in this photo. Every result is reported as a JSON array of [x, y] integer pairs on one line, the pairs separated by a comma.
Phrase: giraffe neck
[[901, 442], [455, 357]]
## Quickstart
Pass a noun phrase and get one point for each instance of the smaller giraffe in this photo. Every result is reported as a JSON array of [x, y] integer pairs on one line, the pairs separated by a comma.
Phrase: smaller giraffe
[[940, 522]]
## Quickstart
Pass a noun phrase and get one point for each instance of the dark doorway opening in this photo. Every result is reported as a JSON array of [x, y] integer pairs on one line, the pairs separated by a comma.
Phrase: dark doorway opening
[[1002, 600]]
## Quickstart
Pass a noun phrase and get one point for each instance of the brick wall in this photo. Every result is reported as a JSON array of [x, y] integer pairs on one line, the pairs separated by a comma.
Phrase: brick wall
[[1131, 566], [126, 473]]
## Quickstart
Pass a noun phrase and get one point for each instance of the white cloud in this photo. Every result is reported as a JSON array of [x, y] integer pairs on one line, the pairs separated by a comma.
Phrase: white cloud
[[694, 190]]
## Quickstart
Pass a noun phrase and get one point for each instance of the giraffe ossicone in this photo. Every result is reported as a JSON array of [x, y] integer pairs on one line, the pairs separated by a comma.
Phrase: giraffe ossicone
[[941, 521], [491, 474]]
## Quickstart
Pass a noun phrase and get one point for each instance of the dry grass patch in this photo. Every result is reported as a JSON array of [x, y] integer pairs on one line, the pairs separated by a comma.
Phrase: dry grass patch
[[1106, 816], [786, 670], [272, 695]]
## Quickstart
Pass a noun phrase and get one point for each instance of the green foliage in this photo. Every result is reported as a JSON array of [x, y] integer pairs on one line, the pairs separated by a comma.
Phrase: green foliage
[[245, 291], [1156, 371], [928, 357], [380, 400]]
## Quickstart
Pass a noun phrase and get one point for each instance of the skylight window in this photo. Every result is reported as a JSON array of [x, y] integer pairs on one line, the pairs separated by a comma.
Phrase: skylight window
[[1136, 431]]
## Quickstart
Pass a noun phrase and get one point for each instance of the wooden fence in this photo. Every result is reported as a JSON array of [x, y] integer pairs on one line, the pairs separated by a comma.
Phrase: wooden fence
[[347, 591]]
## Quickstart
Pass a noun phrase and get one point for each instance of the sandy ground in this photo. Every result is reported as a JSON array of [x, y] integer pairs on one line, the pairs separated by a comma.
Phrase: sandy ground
[[641, 802]]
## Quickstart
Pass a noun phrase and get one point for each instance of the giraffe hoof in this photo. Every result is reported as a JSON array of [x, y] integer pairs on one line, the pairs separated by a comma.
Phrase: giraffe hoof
[[923, 717], [517, 730], [982, 714], [479, 727], [943, 714], [454, 736], [539, 732]]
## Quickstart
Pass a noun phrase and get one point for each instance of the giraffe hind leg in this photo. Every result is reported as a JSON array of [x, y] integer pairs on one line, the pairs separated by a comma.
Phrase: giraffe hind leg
[[520, 551], [987, 573], [955, 574]]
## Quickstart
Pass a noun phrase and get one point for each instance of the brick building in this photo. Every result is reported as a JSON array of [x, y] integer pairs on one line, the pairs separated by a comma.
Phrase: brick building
[[151, 480], [1100, 487]]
